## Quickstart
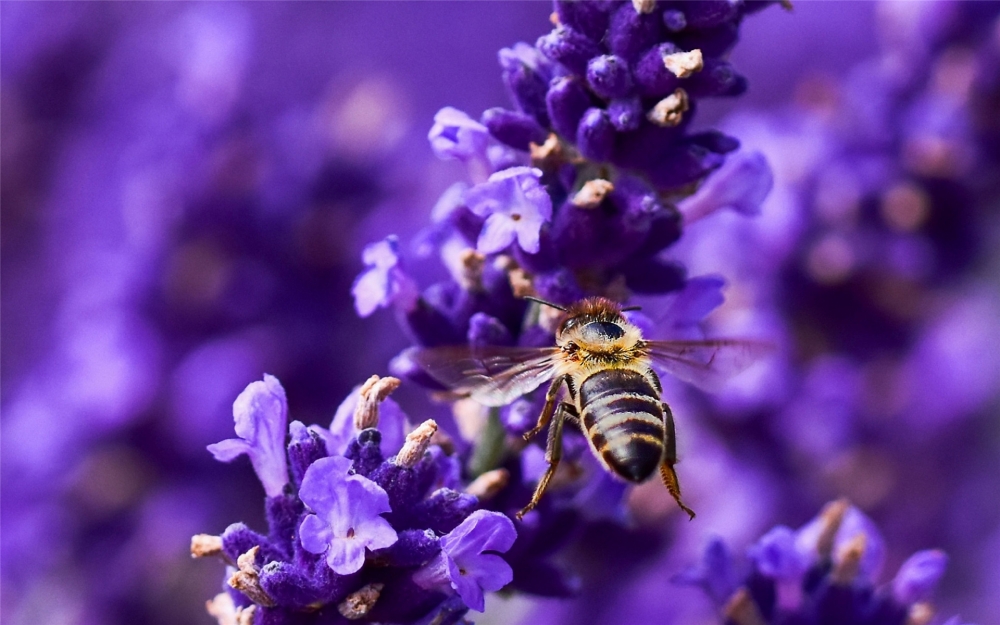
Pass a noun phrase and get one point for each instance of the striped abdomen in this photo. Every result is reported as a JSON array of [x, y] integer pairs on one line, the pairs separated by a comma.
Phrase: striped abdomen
[[621, 414]]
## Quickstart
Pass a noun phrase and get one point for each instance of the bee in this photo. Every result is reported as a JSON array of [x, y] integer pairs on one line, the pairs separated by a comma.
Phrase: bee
[[611, 390]]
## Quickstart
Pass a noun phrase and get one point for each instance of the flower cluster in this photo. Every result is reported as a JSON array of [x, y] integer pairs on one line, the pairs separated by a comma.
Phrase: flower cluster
[[824, 572], [570, 190], [363, 525]]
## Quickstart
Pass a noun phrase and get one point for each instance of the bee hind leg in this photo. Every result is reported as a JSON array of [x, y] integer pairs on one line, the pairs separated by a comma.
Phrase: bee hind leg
[[667, 473], [553, 454]]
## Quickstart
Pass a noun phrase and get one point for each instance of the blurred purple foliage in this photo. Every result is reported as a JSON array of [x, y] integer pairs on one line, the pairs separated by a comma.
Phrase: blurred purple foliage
[[188, 188]]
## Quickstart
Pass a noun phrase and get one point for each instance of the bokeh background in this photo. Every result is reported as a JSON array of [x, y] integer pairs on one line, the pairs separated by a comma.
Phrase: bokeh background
[[186, 189]]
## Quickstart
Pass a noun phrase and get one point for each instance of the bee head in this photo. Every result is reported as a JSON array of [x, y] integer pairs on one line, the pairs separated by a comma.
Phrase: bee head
[[595, 320]]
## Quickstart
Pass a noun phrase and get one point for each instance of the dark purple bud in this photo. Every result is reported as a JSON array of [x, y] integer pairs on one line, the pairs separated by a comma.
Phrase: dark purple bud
[[710, 13], [713, 43], [546, 258], [718, 78], [589, 18], [631, 32], [283, 520], [527, 88], [567, 101], [608, 75], [486, 330], [444, 510], [558, 287], [684, 164], [517, 130], [427, 323], [645, 148], [293, 587], [568, 47], [651, 76], [664, 230], [400, 484], [715, 141], [595, 136], [239, 539], [597, 237], [365, 451], [305, 448], [403, 601], [626, 113], [674, 20], [412, 548]]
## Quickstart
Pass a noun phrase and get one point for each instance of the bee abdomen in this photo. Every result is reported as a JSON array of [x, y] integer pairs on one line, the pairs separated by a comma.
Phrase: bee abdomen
[[622, 415]]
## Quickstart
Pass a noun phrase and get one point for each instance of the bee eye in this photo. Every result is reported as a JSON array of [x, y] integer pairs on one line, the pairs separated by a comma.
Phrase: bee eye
[[602, 331]]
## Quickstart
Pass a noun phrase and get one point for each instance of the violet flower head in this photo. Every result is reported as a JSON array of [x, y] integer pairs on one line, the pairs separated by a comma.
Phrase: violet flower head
[[261, 415], [806, 577], [384, 283], [455, 135], [347, 518], [463, 562], [515, 206]]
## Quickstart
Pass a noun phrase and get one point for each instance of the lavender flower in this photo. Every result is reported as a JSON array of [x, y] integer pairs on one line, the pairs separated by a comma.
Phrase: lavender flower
[[385, 283], [515, 206], [817, 575], [455, 135], [463, 562], [372, 538], [346, 519], [261, 414]]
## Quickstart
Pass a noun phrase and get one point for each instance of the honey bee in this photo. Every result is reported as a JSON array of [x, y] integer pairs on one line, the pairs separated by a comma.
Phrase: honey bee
[[612, 392]]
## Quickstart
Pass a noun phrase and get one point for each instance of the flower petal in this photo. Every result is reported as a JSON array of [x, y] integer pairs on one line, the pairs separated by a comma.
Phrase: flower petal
[[498, 233], [346, 556], [314, 534]]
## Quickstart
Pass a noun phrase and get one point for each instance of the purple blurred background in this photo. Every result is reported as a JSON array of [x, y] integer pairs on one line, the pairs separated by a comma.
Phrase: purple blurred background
[[186, 192]]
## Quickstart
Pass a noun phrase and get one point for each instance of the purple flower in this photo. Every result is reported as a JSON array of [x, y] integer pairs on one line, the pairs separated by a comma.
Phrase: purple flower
[[741, 184], [261, 415], [776, 557], [347, 519], [918, 576], [515, 205], [462, 563], [455, 135], [384, 283]]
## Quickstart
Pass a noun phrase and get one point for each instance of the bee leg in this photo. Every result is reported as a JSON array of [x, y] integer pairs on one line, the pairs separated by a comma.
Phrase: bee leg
[[547, 410], [667, 472], [553, 453]]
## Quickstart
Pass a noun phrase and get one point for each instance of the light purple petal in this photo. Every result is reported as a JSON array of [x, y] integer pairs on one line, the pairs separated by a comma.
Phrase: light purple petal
[[376, 533], [314, 534], [260, 413], [741, 184], [483, 530], [370, 291], [346, 556], [435, 574], [776, 556], [528, 231], [365, 499], [467, 587], [918, 576], [498, 233], [229, 449], [321, 482], [490, 571], [455, 135]]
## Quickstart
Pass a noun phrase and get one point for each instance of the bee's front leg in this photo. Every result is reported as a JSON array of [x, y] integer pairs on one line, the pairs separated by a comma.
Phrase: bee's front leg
[[667, 472], [553, 453], [548, 409]]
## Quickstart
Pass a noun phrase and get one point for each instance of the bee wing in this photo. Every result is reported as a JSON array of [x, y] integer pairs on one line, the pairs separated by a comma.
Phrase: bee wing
[[493, 376], [706, 364]]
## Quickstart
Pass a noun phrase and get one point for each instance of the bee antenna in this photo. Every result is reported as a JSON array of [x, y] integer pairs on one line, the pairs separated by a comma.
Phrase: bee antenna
[[631, 308], [541, 301]]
